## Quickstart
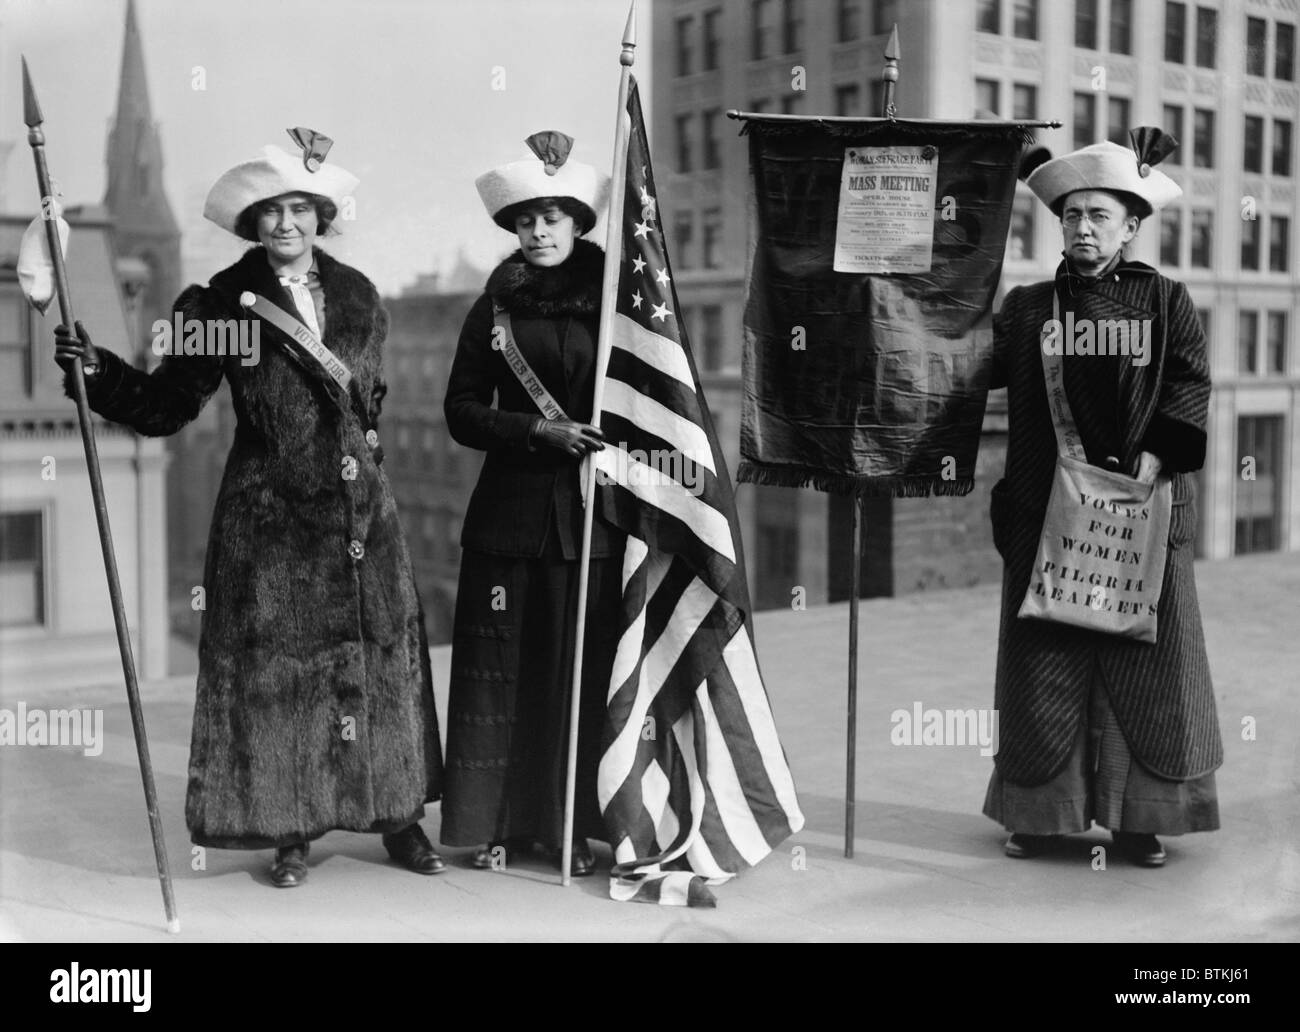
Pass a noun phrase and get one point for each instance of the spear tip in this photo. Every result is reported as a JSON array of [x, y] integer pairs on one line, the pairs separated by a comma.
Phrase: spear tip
[[31, 109], [891, 48], [629, 31], [629, 38]]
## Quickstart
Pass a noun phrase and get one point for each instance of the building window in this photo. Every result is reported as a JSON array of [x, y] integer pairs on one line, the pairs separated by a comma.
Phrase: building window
[[1024, 19], [1176, 33], [15, 340], [1085, 120], [1284, 52], [1117, 120], [1256, 46], [710, 324], [22, 569], [1279, 230], [1173, 123], [1024, 100], [848, 20], [988, 95], [1252, 158], [792, 104], [760, 14], [711, 40], [712, 238], [1281, 147], [1202, 138], [1121, 26], [1275, 344], [988, 15], [1020, 242], [848, 100], [1259, 501], [1085, 24], [884, 15], [684, 124], [877, 97], [759, 104], [709, 121], [1247, 342], [685, 30], [1207, 35], [683, 231], [791, 26], [1202, 238], [1250, 245], [1171, 236]]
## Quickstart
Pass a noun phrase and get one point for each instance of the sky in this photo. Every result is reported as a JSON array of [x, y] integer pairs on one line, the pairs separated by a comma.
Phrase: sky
[[420, 97]]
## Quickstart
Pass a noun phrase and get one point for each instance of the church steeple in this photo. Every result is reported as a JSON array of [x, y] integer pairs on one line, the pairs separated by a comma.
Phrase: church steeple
[[135, 194]]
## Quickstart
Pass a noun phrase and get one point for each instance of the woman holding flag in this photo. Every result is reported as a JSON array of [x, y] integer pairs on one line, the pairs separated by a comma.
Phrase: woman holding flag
[[530, 340], [314, 708]]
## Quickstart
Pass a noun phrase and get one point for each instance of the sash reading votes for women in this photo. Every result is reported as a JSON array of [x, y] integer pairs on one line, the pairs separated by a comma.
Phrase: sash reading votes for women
[[877, 248]]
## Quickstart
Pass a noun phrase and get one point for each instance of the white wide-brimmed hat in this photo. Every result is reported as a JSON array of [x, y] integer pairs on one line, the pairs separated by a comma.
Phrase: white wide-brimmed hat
[[550, 173], [1108, 166], [276, 173]]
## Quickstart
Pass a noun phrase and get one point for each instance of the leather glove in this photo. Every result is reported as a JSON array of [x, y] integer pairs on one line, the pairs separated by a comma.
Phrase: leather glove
[[67, 349], [577, 439]]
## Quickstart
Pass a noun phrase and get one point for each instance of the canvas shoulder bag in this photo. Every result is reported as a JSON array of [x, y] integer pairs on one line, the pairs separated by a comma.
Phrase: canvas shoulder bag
[[1101, 556]]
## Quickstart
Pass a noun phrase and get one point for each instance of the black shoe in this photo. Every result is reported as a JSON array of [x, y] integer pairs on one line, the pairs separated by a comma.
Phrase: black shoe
[[493, 856], [1021, 846], [582, 863], [411, 848], [290, 867], [1144, 850]]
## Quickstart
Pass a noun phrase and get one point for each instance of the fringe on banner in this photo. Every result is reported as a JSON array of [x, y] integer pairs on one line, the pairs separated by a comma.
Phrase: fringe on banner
[[864, 129], [838, 483]]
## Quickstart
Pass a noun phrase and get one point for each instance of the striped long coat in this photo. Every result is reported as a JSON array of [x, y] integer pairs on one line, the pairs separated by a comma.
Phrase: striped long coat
[[1161, 694]]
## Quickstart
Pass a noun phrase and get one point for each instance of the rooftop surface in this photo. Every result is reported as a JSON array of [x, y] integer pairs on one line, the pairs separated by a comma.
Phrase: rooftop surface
[[76, 863]]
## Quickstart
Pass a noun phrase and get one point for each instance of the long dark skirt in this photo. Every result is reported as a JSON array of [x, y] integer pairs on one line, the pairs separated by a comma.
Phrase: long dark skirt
[[508, 716]]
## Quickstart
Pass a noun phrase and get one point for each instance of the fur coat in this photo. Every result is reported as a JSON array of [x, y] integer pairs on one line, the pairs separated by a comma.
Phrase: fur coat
[[314, 706], [1161, 694]]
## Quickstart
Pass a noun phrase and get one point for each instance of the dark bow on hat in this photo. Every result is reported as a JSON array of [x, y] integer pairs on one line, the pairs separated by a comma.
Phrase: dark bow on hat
[[314, 147], [1152, 146], [552, 148]]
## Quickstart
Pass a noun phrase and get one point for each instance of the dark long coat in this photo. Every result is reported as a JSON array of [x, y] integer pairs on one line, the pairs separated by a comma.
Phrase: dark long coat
[[511, 663], [314, 707], [1161, 694]]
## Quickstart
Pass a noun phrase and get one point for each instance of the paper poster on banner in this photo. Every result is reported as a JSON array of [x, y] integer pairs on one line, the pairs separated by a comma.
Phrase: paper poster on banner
[[886, 211]]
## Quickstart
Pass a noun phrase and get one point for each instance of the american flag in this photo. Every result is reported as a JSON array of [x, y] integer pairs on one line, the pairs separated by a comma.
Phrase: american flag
[[693, 782]]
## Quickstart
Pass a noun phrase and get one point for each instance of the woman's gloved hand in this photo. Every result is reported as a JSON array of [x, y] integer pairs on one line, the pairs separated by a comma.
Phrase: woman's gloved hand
[[577, 439], [67, 349]]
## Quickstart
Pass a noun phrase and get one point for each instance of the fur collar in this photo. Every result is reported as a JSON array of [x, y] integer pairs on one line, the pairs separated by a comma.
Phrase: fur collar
[[572, 288]]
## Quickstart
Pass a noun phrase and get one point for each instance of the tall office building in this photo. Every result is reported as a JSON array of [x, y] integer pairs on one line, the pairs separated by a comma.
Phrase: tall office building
[[1221, 76]]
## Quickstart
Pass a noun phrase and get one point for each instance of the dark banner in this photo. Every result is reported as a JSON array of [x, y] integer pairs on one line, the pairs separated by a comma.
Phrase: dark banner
[[878, 246]]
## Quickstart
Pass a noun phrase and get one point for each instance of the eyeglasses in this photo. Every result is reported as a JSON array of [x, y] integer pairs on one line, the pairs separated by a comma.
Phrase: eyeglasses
[[1072, 218]]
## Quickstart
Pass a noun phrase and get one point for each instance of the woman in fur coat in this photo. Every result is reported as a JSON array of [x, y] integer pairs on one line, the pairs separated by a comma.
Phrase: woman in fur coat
[[513, 644], [1094, 727], [314, 707]]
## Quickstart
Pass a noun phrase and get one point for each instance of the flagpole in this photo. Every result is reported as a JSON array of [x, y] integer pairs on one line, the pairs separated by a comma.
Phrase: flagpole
[[609, 288], [36, 138]]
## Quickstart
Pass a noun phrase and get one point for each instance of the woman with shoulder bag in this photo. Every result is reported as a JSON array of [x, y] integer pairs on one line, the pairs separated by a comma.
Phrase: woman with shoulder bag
[[1097, 726]]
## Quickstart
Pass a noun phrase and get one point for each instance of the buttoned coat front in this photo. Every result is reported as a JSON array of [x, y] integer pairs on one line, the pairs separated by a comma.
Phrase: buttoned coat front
[[1161, 694], [314, 704]]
